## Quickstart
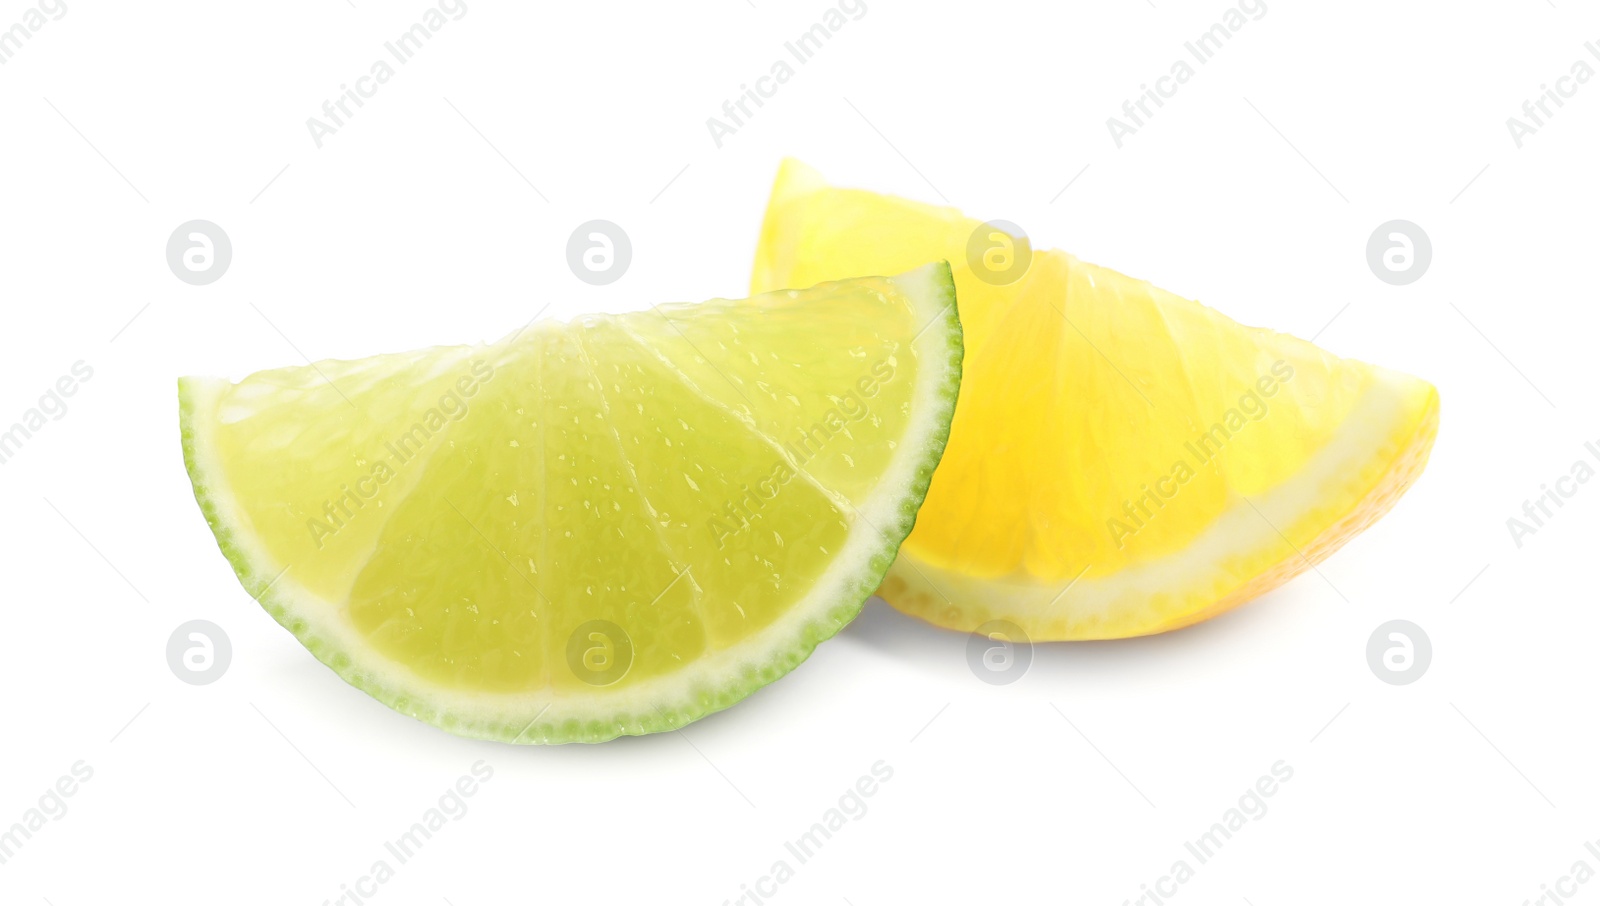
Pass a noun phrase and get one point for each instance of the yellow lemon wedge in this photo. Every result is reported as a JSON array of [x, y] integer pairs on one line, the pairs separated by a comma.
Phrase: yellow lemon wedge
[[1123, 461]]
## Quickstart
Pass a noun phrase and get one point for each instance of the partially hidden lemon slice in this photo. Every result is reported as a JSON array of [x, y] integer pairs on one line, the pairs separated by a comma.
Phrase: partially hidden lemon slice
[[1123, 461], [610, 526]]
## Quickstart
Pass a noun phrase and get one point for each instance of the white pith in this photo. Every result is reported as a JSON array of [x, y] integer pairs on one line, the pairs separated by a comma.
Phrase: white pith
[[487, 713], [1198, 574]]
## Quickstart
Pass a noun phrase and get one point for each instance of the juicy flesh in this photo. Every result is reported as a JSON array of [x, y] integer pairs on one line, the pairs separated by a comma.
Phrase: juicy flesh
[[684, 473], [1103, 422]]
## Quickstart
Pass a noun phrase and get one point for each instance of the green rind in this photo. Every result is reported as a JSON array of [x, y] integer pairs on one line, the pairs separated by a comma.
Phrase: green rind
[[258, 582]]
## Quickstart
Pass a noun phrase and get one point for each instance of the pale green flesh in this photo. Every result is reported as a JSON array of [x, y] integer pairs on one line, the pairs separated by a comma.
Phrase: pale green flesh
[[593, 476]]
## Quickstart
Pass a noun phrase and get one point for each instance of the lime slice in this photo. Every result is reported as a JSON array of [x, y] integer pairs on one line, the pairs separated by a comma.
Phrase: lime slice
[[611, 526]]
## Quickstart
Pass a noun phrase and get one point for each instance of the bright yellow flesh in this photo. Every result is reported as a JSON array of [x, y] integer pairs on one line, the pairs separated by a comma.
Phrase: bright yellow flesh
[[1113, 433], [689, 474]]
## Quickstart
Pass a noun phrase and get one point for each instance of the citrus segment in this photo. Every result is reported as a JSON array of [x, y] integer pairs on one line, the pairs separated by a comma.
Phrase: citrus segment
[[1123, 461], [609, 526]]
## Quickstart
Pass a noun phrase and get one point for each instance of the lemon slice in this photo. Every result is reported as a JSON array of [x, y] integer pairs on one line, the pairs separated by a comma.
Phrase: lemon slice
[[1123, 461], [610, 526]]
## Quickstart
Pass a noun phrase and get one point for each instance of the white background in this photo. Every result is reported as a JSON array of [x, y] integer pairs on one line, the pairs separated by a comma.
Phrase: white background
[[1254, 190]]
